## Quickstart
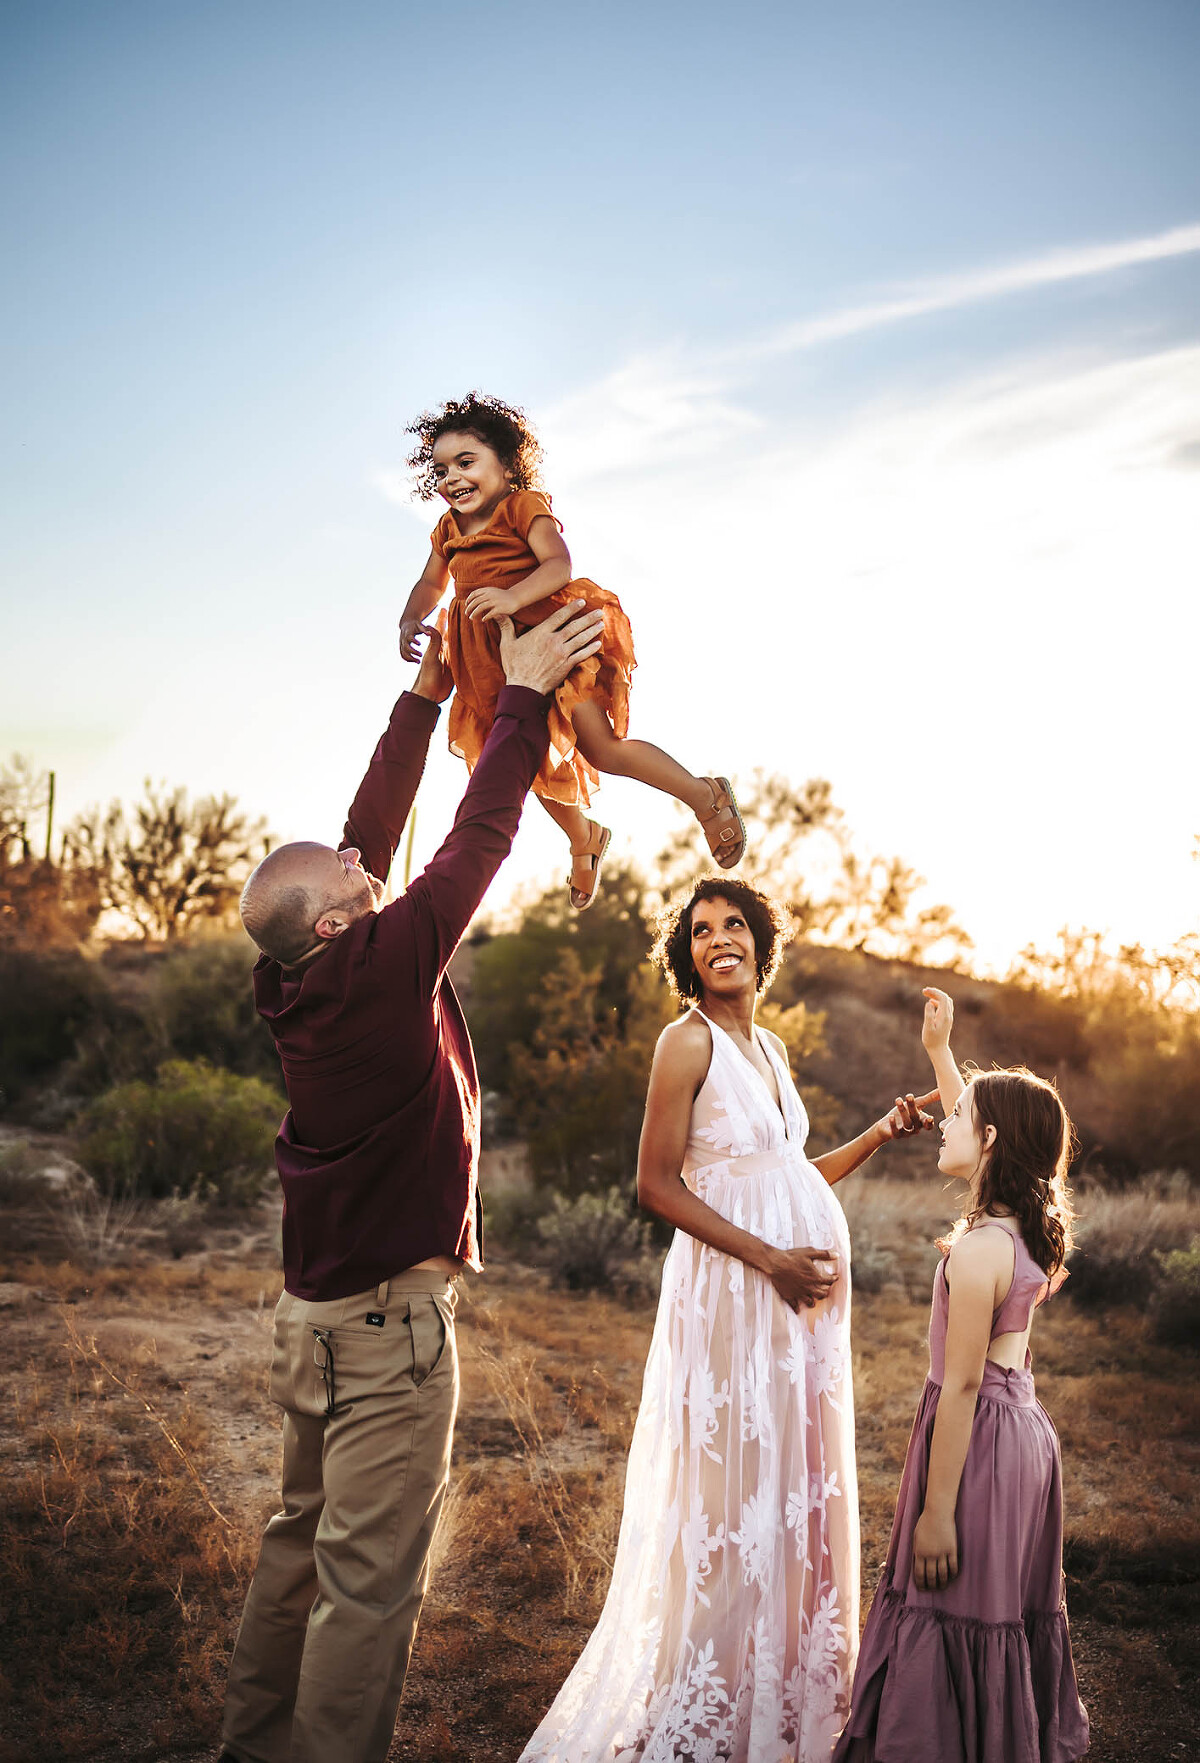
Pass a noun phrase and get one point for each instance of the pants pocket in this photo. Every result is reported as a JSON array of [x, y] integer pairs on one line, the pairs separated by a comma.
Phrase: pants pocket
[[281, 1388], [429, 1331]]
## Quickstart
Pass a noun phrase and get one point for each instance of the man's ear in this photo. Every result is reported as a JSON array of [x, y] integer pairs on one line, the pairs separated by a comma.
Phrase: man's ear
[[330, 925]]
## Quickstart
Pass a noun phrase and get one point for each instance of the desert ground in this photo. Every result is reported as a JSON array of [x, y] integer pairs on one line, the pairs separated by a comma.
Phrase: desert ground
[[140, 1457]]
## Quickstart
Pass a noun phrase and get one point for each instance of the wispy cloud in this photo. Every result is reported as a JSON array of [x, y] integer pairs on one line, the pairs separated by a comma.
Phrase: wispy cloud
[[969, 288], [673, 408]]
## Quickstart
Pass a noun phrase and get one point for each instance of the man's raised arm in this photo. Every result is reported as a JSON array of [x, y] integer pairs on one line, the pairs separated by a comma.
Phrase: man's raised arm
[[386, 794], [444, 898]]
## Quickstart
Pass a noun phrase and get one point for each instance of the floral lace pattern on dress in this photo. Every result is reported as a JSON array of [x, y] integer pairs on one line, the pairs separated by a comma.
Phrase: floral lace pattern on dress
[[731, 1624]]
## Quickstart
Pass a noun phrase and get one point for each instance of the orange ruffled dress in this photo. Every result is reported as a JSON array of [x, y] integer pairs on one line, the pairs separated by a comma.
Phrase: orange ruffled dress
[[498, 556]]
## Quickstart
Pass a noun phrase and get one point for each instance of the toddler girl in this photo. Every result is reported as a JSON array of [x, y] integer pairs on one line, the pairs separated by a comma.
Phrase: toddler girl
[[966, 1652], [502, 546]]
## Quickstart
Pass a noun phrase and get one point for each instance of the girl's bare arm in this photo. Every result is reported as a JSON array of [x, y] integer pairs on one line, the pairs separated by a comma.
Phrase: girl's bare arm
[[429, 588], [553, 572], [681, 1061], [979, 1268], [935, 1038]]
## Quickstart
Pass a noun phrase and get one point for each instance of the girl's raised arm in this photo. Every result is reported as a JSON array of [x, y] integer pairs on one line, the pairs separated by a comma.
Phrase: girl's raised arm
[[935, 1038], [681, 1062], [429, 588]]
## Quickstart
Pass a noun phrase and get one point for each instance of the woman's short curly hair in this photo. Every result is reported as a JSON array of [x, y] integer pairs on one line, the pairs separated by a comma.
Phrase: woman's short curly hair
[[770, 926], [502, 427]]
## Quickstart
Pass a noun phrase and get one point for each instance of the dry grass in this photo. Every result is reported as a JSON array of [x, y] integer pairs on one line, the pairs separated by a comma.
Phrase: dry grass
[[115, 1561], [121, 1573], [1120, 1234]]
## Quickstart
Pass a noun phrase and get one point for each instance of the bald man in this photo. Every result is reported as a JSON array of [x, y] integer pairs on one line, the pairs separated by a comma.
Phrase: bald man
[[377, 1157]]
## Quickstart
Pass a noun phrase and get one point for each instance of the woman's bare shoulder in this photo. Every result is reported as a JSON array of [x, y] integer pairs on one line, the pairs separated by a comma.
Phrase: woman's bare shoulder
[[685, 1044]]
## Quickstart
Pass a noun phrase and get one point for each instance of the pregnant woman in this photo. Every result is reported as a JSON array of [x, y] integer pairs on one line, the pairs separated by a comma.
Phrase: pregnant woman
[[731, 1623]]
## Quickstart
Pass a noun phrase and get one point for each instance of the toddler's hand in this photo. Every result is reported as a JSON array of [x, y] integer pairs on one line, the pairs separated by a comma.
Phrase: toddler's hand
[[485, 603], [939, 1019], [434, 679], [909, 1116], [411, 632]]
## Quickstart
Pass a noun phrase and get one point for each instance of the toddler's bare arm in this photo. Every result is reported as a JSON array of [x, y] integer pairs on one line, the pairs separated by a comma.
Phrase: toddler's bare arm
[[429, 588]]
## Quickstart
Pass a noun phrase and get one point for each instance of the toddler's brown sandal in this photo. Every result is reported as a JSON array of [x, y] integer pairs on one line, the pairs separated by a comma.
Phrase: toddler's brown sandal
[[584, 878], [723, 825]]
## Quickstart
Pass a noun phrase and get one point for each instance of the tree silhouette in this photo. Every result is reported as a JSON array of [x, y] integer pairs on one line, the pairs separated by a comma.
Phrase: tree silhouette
[[24, 795], [39, 904], [799, 850], [169, 864]]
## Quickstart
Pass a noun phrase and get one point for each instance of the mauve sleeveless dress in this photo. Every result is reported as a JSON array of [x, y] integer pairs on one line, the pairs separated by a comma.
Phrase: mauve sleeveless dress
[[980, 1672]]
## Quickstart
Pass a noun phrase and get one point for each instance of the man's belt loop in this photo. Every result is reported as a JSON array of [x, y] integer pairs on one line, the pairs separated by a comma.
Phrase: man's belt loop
[[381, 1294]]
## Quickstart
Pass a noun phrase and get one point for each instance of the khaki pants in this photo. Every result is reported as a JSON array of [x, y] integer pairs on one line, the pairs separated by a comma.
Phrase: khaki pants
[[369, 1387]]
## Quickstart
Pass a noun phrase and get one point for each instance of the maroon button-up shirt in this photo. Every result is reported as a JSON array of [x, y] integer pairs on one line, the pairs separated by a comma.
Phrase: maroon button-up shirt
[[378, 1151]]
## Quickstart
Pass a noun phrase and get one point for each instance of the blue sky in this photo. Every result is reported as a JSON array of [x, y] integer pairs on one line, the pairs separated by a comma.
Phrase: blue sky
[[865, 344]]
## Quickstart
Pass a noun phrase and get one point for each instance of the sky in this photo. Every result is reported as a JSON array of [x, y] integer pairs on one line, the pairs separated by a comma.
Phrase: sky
[[864, 343]]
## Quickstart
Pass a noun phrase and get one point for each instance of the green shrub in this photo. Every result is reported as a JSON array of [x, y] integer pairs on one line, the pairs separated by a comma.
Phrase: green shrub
[[46, 1001], [510, 1219], [873, 1266], [205, 1004], [1175, 1304], [594, 1243], [194, 1129], [20, 1173], [1121, 1235]]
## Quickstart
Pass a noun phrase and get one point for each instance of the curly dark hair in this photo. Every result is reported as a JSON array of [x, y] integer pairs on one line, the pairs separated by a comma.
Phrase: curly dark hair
[[502, 427], [1026, 1169], [770, 925]]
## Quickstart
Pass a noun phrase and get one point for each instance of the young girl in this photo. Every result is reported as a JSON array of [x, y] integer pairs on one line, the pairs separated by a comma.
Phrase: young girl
[[503, 548], [966, 1653]]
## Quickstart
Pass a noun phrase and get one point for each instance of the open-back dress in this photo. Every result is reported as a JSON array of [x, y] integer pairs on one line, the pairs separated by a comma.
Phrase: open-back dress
[[981, 1671]]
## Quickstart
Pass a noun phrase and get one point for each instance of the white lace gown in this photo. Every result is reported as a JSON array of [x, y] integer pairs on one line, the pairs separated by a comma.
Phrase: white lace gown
[[731, 1624]]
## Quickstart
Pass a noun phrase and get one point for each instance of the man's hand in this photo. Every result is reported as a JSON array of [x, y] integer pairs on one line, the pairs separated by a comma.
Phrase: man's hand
[[543, 657], [908, 1117], [802, 1276], [939, 1019], [411, 632], [433, 679]]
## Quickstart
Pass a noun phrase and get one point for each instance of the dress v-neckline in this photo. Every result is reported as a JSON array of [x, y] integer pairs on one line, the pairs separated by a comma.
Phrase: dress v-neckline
[[775, 1101]]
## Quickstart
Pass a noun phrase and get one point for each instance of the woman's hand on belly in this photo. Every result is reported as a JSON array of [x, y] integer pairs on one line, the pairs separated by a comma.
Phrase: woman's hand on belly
[[802, 1276]]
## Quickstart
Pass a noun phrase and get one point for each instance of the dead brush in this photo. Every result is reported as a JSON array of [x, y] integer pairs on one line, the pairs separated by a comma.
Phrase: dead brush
[[119, 1575], [99, 1230], [583, 1532], [893, 1225], [1121, 1234]]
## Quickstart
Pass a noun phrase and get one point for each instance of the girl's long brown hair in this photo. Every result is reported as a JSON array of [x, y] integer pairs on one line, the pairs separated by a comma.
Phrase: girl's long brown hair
[[1025, 1172]]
